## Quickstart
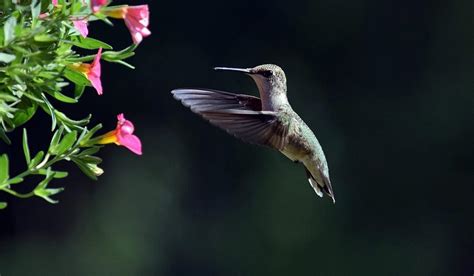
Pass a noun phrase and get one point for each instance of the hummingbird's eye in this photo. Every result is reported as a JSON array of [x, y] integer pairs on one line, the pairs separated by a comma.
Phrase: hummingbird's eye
[[267, 74]]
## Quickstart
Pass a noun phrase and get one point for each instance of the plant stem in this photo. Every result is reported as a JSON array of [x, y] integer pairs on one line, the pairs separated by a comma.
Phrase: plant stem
[[30, 194]]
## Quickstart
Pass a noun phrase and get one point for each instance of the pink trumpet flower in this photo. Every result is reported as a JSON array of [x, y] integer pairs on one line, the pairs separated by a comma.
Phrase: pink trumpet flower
[[55, 2], [91, 71], [81, 26], [123, 136], [136, 19]]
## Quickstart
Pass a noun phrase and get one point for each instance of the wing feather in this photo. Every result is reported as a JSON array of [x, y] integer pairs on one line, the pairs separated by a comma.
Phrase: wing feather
[[238, 114]]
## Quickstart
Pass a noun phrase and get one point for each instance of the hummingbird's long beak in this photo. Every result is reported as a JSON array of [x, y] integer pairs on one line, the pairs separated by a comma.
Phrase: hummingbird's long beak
[[243, 70]]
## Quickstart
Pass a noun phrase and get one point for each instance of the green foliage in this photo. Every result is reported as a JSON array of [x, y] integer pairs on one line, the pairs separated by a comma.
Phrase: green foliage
[[4, 169], [90, 43], [64, 146], [38, 64]]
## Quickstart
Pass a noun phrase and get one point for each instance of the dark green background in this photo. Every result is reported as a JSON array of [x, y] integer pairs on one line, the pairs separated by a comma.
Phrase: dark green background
[[388, 88]]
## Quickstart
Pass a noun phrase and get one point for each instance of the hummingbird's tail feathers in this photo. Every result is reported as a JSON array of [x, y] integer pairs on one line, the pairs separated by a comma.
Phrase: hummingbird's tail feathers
[[234, 114], [315, 186], [318, 188]]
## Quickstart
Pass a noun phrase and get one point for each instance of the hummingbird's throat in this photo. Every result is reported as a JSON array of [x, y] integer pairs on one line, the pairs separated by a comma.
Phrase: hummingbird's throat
[[273, 100], [272, 94]]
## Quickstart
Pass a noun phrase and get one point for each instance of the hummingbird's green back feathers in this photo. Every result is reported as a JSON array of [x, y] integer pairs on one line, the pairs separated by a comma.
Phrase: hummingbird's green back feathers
[[239, 115]]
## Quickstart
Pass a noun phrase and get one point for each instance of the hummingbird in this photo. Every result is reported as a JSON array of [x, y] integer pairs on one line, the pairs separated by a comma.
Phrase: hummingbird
[[268, 120]]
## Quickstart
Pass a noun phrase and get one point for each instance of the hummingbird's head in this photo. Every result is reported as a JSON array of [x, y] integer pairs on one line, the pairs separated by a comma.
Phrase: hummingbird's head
[[268, 77]]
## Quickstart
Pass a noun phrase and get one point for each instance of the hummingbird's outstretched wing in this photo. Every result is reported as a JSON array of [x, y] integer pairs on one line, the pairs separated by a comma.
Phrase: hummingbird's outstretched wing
[[239, 115]]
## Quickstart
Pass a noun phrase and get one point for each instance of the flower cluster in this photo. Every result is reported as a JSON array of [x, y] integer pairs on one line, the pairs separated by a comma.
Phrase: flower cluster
[[38, 63]]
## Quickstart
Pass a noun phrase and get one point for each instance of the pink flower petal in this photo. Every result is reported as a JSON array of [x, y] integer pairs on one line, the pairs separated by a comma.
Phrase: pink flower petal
[[137, 20], [121, 118], [81, 26], [137, 37], [95, 73], [55, 2], [43, 15], [96, 83], [96, 61], [132, 143], [145, 32], [140, 12], [126, 128]]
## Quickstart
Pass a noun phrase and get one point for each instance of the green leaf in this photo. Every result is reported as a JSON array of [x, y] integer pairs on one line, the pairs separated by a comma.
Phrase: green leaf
[[76, 77], [55, 140], [89, 134], [3, 205], [41, 190], [104, 18], [7, 97], [57, 174], [7, 58], [48, 75], [50, 110], [126, 64], [4, 168], [65, 144], [91, 159], [90, 43], [77, 6], [61, 97], [46, 193], [4, 137], [26, 149], [45, 38], [63, 118], [35, 9], [9, 30], [36, 160], [21, 49], [89, 151], [116, 55], [33, 98], [61, 174], [80, 58], [85, 168], [15, 180], [64, 49], [78, 91], [49, 176], [26, 110]]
